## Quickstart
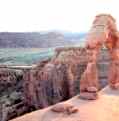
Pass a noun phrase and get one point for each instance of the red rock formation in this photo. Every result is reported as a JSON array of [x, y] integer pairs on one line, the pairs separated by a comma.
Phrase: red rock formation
[[102, 32], [64, 108], [56, 80]]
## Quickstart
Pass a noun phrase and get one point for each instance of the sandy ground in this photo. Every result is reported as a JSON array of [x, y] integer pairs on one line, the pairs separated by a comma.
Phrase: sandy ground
[[106, 108]]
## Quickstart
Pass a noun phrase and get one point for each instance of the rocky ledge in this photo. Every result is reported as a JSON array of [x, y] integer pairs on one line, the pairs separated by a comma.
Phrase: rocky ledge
[[103, 109]]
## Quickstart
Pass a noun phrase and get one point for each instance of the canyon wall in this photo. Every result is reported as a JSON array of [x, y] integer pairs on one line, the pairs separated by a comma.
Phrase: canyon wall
[[12, 99], [59, 78], [52, 81]]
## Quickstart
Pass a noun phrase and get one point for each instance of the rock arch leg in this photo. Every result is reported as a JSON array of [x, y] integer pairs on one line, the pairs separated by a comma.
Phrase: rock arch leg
[[113, 76], [89, 80]]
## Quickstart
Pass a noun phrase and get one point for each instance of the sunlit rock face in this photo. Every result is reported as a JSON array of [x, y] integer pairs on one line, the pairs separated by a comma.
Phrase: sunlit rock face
[[102, 32], [59, 79]]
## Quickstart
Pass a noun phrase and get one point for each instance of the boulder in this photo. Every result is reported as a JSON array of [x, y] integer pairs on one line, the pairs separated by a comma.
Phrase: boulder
[[64, 108], [88, 96]]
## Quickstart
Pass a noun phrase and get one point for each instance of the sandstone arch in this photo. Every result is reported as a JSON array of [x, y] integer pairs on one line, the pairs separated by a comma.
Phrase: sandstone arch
[[102, 32]]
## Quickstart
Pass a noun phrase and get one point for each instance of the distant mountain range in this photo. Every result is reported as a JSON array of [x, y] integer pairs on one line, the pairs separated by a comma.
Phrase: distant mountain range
[[74, 36], [39, 39]]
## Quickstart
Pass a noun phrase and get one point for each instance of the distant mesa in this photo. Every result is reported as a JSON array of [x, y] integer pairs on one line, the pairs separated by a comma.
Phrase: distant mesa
[[38, 39]]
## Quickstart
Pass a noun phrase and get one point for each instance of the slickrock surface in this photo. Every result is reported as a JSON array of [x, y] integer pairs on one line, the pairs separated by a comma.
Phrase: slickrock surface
[[106, 108]]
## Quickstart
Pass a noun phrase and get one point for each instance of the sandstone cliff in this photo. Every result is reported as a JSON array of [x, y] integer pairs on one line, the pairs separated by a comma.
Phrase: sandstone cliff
[[58, 79]]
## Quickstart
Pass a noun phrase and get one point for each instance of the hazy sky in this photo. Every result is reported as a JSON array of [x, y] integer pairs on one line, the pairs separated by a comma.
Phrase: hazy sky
[[40, 15]]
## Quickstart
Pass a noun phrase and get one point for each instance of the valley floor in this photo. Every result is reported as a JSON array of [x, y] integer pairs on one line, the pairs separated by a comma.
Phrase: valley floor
[[24, 56]]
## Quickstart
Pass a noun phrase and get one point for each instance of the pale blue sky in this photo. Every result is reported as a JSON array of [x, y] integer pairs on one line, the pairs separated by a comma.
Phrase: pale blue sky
[[41, 15]]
